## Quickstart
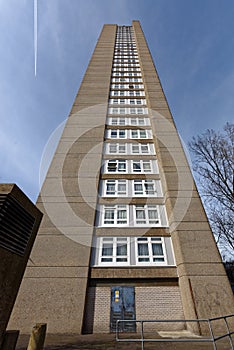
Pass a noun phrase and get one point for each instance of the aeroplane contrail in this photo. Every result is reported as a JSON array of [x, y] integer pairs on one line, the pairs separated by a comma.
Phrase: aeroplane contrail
[[35, 37]]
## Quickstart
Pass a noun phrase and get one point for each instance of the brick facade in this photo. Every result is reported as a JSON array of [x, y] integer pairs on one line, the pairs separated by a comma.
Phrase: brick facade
[[153, 302], [161, 303], [97, 313]]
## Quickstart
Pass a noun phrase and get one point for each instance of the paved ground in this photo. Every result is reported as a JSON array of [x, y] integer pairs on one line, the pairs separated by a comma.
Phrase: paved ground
[[108, 342]]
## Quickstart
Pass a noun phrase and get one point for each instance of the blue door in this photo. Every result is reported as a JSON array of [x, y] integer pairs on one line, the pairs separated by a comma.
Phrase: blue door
[[123, 308]]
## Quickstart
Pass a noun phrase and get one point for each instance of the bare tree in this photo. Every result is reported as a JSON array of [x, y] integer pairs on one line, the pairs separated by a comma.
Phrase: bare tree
[[213, 163]]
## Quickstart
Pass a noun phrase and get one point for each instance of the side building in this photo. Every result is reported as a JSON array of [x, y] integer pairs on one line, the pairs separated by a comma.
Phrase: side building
[[124, 233]]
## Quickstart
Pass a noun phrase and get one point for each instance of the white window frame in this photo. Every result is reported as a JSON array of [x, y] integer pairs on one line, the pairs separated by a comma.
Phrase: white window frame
[[126, 61], [131, 245], [120, 56], [132, 134], [140, 134], [115, 220], [126, 80], [127, 101], [142, 148], [114, 188], [134, 121], [126, 86], [142, 166], [116, 184], [129, 148], [117, 121], [144, 192], [120, 148], [114, 241], [146, 209], [127, 69], [121, 166], [149, 241], [120, 133]]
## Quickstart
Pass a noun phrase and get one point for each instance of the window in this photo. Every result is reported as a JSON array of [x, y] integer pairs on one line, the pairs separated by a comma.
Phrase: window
[[138, 134], [140, 111], [116, 148], [139, 121], [150, 250], [115, 187], [130, 166], [131, 188], [114, 250], [117, 121], [131, 134], [130, 93], [116, 166], [140, 148], [117, 133], [141, 166], [114, 121], [146, 215], [135, 121], [122, 121], [144, 187], [132, 251], [129, 148], [114, 215]]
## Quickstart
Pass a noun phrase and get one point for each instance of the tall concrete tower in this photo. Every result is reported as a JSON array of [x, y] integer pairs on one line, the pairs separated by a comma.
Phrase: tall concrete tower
[[124, 233]]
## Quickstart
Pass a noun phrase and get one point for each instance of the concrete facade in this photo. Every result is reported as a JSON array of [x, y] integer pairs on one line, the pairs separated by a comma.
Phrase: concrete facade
[[57, 274], [66, 276]]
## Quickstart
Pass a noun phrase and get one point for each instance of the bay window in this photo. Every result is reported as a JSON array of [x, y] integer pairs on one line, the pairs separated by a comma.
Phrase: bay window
[[131, 134], [133, 251]]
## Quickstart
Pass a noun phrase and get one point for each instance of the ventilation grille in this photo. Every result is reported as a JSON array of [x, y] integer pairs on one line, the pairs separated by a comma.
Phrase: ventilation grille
[[16, 225]]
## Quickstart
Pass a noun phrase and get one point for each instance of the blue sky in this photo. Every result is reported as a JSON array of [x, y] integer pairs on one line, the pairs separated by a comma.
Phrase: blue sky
[[192, 43]]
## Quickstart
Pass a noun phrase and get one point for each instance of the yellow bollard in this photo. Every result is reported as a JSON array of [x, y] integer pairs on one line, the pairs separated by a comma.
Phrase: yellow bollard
[[37, 338]]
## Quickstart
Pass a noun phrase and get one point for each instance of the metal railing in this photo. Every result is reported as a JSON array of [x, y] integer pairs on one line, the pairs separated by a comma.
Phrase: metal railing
[[196, 339]]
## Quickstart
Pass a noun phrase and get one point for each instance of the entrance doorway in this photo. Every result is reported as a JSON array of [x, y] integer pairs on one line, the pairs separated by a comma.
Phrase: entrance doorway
[[123, 308]]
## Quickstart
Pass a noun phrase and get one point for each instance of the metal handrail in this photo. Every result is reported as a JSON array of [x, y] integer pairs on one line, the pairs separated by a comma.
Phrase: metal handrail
[[212, 339]]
